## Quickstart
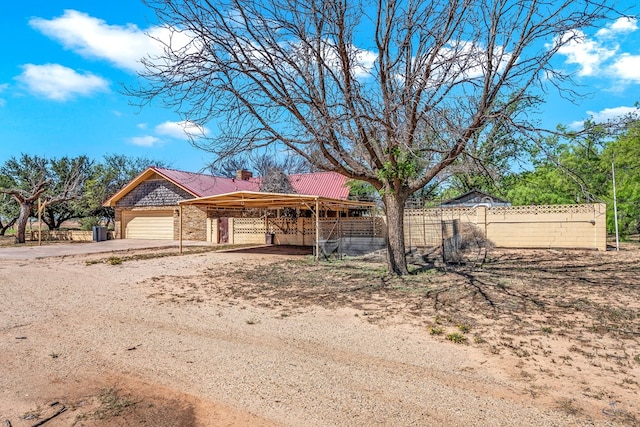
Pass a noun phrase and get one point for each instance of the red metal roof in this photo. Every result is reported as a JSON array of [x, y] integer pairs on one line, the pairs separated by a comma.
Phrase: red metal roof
[[324, 184], [202, 185]]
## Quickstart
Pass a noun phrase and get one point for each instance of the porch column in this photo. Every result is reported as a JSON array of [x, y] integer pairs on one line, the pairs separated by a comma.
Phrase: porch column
[[180, 226], [317, 231]]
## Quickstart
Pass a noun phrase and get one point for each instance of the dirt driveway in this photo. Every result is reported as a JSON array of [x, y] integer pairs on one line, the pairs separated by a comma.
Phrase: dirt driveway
[[61, 249], [255, 339]]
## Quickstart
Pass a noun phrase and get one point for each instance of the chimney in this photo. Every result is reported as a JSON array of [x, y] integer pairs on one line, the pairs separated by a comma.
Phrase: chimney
[[243, 175]]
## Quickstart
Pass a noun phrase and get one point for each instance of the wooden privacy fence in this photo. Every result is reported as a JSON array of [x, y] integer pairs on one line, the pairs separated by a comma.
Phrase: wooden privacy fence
[[549, 226]]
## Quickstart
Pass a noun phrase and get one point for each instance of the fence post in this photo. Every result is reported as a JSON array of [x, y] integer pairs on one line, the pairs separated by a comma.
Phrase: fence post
[[481, 215]]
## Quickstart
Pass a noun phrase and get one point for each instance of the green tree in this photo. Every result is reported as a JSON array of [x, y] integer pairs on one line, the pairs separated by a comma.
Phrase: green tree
[[9, 212], [487, 159], [624, 153], [390, 93], [29, 178], [564, 171]]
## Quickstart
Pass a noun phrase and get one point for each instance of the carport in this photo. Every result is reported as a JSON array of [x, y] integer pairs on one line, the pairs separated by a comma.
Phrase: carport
[[245, 200]]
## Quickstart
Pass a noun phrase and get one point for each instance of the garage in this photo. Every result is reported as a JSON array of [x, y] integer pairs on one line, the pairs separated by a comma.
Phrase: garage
[[147, 225]]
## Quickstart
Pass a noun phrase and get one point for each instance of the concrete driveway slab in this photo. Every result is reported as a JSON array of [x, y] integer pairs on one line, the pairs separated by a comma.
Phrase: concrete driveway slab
[[66, 249]]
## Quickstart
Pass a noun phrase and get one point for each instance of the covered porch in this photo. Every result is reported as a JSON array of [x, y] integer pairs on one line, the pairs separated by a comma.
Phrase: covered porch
[[290, 219]]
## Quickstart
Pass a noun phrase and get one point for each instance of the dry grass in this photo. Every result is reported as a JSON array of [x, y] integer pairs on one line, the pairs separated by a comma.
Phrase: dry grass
[[562, 314]]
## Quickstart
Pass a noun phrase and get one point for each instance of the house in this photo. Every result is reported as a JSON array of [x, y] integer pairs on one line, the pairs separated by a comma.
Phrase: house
[[148, 206], [474, 198]]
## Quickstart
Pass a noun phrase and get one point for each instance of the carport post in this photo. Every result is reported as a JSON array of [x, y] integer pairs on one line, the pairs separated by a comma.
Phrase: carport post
[[180, 227], [40, 222], [317, 230]]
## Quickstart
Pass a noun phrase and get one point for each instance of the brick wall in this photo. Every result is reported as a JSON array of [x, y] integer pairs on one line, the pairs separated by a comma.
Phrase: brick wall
[[194, 224], [117, 224]]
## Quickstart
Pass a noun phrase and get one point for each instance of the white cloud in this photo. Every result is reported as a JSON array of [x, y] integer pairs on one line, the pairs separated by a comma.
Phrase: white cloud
[[362, 61], [2, 88], [627, 67], [178, 130], [181, 130], [606, 115], [122, 45], [145, 141], [59, 83], [587, 54], [601, 55], [470, 60], [365, 59], [619, 26], [611, 113]]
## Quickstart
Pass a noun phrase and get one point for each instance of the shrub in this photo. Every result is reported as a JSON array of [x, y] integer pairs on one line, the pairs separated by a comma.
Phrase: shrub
[[457, 338], [87, 224]]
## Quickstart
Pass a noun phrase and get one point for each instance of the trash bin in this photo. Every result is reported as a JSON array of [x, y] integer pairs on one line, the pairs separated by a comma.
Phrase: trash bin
[[268, 238], [99, 234]]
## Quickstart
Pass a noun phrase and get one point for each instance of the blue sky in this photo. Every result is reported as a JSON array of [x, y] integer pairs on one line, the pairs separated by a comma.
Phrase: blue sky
[[64, 62]]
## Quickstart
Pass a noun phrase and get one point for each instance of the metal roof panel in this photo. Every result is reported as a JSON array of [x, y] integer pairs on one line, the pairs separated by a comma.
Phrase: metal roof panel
[[324, 184], [207, 185]]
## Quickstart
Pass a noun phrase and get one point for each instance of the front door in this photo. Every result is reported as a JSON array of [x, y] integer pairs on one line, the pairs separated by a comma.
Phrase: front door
[[223, 230]]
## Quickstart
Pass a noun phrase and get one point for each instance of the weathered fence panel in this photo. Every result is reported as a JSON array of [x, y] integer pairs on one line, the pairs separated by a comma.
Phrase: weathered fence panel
[[62, 235]]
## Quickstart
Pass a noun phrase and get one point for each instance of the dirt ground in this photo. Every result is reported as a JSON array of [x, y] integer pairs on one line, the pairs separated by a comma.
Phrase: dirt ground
[[539, 337]]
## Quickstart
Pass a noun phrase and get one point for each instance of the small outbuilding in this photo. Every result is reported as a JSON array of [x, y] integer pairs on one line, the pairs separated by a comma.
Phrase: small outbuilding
[[474, 198]]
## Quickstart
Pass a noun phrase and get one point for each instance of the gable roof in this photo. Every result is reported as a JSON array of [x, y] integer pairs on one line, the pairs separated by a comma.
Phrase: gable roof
[[201, 185], [324, 184], [475, 197]]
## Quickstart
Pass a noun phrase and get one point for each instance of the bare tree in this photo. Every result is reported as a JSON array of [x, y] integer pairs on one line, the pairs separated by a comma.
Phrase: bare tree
[[260, 163], [387, 92], [61, 172], [29, 178], [274, 180]]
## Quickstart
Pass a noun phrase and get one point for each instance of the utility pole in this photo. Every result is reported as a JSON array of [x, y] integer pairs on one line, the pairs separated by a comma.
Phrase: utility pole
[[615, 205]]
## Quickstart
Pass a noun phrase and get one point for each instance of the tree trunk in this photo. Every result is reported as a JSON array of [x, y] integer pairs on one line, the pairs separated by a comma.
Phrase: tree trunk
[[5, 227], [50, 219], [25, 211], [396, 259]]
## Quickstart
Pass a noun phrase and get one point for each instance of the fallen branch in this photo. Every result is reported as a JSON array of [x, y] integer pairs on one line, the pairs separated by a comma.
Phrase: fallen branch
[[60, 411]]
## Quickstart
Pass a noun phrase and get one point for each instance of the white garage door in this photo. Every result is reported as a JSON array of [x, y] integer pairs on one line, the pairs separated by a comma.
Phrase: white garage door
[[148, 225]]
